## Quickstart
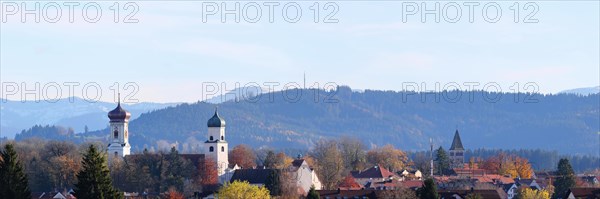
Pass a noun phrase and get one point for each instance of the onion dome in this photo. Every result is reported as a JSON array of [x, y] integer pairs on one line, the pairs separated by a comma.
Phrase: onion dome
[[216, 121], [119, 114]]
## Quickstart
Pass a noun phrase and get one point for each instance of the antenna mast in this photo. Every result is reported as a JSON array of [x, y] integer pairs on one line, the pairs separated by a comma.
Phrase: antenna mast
[[431, 157]]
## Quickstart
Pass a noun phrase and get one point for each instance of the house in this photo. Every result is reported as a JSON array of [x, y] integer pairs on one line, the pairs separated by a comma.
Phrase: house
[[411, 175], [375, 177], [257, 177], [511, 190], [353, 194], [583, 193], [304, 175], [462, 194], [589, 179], [299, 171], [52, 195], [529, 183]]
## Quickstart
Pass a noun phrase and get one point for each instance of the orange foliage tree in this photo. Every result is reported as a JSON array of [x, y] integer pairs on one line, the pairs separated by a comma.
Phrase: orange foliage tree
[[173, 194], [388, 157], [243, 156], [512, 165], [208, 172]]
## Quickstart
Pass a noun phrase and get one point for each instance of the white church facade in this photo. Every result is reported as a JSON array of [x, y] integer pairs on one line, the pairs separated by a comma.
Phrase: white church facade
[[215, 147]]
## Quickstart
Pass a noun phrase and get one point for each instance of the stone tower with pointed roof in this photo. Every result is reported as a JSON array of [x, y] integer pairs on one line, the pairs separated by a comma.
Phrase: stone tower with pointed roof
[[118, 144], [215, 146], [457, 151]]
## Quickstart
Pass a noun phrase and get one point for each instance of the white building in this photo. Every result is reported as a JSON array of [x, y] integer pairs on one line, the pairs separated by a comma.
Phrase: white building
[[216, 146], [118, 144]]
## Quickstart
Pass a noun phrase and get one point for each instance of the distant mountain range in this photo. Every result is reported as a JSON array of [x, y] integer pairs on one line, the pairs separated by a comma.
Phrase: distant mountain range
[[563, 122], [17, 115], [583, 91]]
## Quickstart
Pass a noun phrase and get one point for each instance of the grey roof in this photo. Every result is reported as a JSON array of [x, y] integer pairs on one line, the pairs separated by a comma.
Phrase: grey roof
[[252, 176], [456, 143], [216, 120]]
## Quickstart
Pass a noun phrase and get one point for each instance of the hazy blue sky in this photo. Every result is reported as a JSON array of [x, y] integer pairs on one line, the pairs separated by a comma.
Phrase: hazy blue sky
[[171, 51]]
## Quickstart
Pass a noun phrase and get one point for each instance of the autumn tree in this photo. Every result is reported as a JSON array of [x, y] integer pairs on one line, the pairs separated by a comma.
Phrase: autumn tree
[[282, 161], [512, 165], [442, 161], [243, 156], [13, 181], [208, 172], [242, 190], [388, 157], [528, 193], [172, 193], [93, 181], [353, 152], [330, 163], [565, 178], [119, 172], [62, 170]]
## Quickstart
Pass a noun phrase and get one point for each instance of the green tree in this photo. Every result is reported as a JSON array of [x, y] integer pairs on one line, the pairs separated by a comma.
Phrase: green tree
[[273, 182], [270, 159], [13, 181], [565, 178], [312, 193], [175, 171], [442, 161], [242, 190], [94, 180], [429, 190]]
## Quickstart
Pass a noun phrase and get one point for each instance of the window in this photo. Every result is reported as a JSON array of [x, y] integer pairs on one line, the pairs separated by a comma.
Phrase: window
[[222, 137], [211, 149], [222, 149], [211, 138], [116, 154], [116, 134]]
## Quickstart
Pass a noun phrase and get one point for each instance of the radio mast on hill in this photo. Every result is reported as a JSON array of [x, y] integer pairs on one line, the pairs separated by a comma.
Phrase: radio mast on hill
[[431, 156]]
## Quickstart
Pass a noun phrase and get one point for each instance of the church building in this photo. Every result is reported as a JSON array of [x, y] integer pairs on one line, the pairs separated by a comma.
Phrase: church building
[[457, 152], [215, 146], [118, 144]]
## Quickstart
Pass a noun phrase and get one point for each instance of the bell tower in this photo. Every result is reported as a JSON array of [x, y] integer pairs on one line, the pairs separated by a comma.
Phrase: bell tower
[[118, 144], [216, 145]]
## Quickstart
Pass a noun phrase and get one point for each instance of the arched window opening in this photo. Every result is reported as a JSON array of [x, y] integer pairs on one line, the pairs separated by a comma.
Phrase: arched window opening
[[211, 138], [222, 149], [211, 149], [116, 134], [222, 137]]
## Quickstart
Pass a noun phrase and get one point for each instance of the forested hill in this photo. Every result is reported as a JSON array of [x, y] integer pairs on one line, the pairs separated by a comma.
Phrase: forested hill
[[566, 123]]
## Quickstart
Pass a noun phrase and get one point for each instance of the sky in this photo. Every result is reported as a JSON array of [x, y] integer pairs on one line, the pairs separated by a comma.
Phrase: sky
[[173, 49]]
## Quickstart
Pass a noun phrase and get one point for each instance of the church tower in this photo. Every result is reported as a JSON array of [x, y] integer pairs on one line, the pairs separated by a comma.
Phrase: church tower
[[457, 151], [118, 144], [216, 145]]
